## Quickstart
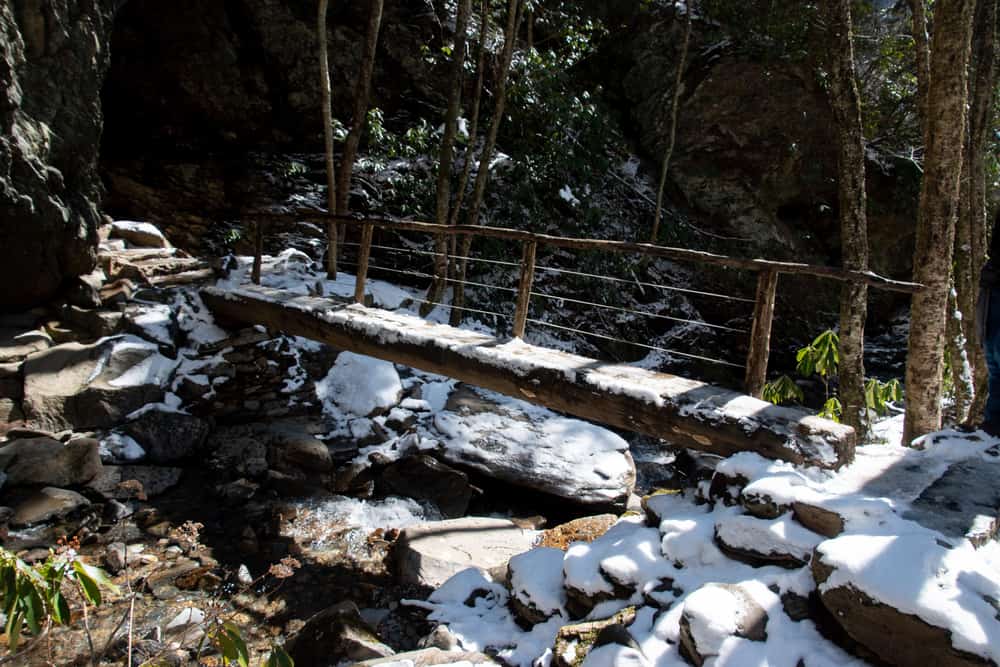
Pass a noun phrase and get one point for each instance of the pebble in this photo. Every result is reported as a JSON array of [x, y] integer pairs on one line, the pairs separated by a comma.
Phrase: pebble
[[243, 575]]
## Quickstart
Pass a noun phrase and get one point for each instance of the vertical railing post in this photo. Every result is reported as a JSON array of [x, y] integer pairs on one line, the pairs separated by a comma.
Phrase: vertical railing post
[[258, 250], [364, 252], [760, 335], [524, 288]]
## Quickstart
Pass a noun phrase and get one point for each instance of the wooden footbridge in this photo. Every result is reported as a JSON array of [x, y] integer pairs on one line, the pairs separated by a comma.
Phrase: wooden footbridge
[[683, 411]]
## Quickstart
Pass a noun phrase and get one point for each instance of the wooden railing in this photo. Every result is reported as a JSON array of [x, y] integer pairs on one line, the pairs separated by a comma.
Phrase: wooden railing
[[767, 270]]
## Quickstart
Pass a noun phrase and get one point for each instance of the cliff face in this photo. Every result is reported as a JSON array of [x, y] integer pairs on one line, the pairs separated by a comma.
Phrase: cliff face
[[53, 56]]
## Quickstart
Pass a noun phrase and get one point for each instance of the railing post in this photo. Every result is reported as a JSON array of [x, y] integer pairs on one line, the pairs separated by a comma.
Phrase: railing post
[[524, 288], [760, 335], [258, 250], [364, 252]]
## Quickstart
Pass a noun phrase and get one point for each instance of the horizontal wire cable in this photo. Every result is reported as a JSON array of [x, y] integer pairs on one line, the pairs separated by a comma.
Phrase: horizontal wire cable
[[629, 342], [437, 254], [420, 274], [554, 297], [644, 284], [465, 308]]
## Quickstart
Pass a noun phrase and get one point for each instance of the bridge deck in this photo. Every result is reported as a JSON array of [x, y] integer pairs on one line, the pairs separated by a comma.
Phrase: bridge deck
[[683, 411]]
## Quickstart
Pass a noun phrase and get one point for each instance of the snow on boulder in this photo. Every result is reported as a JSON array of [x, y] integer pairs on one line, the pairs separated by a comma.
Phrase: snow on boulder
[[536, 585], [76, 386], [714, 614], [781, 541], [525, 445], [141, 234], [623, 564], [359, 385], [910, 599], [428, 554]]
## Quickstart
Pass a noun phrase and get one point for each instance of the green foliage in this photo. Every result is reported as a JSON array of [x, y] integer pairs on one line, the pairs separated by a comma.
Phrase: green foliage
[[879, 394], [821, 357], [783, 390], [31, 596], [832, 409]]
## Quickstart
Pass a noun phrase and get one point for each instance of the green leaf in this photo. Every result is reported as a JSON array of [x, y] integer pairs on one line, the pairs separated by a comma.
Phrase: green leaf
[[13, 630], [60, 608], [832, 409], [32, 607], [242, 654], [806, 358], [93, 579], [279, 658]]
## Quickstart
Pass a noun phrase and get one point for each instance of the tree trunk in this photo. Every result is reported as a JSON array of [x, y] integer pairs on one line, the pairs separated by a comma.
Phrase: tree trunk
[[359, 115], [458, 290], [331, 174], [922, 53], [846, 106], [675, 105], [947, 95], [447, 155], [983, 90], [483, 169]]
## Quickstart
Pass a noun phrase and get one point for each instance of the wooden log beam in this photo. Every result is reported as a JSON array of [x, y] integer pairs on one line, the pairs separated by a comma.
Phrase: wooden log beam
[[646, 249], [760, 335], [684, 412]]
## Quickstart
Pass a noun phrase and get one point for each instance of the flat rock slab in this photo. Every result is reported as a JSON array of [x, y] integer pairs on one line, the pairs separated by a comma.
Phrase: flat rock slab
[[964, 502], [47, 503], [760, 542], [686, 412], [428, 657], [47, 461], [428, 554]]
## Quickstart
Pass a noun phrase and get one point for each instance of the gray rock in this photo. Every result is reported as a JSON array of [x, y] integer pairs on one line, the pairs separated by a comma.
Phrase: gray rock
[[429, 657], [963, 502], [744, 617], [300, 452], [17, 344], [549, 463], [760, 542], [142, 234], [93, 386], [333, 636], [428, 554], [47, 503], [168, 437], [50, 190], [114, 557], [113, 481], [425, 478], [50, 462]]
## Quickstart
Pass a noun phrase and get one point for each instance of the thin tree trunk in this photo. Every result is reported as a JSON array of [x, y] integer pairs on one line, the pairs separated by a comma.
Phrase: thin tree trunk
[[359, 115], [844, 100], [983, 91], [446, 158], [483, 169], [331, 173], [922, 51], [675, 105], [946, 99], [457, 270]]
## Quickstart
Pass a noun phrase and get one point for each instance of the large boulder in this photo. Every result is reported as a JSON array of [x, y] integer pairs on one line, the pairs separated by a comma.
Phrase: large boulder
[[428, 554], [167, 436], [528, 446], [333, 636], [76, 386], [49, 187], [425, 478], [50, 462], [911, 599], [47, 503]]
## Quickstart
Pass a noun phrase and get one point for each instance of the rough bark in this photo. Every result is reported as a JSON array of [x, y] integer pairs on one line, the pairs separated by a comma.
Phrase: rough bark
[[983, 91], [922, 54], [674, 108], [327, 108], [458, 298], [446, 157], [359, 115], [846, 105], [946, 99]]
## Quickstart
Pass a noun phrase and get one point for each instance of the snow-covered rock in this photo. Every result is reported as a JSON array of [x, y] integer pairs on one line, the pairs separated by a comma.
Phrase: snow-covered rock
[[536, 585], [142, 234], [780, 541], [713, 615], [93, 386], [360, 385], [429, 554], [910, 599], [525, 445]]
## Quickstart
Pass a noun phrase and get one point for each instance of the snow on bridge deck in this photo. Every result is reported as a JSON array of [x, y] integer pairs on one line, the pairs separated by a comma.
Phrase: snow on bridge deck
[[685, 412]]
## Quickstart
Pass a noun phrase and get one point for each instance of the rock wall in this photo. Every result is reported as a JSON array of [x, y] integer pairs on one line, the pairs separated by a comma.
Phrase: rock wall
[[53, 55]]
